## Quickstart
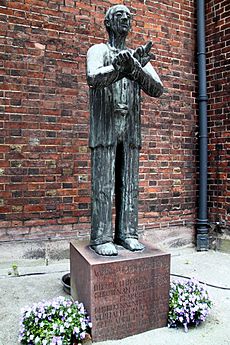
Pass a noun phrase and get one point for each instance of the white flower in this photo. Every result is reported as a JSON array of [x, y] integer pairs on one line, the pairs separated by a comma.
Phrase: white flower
[[83, 326], [28, 313], [55, 326], [37, 339], [62, 329]]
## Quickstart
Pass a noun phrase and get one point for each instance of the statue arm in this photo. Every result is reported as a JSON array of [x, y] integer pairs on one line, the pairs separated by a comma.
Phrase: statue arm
[[124, 64], [99, 75], [148, 79]]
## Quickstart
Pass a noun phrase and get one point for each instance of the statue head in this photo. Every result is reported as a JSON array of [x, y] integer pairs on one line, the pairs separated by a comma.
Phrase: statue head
[[118, 20]]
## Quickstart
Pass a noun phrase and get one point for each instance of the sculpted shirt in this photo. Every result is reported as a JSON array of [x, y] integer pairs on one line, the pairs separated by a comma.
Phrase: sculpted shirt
[[115, 99]]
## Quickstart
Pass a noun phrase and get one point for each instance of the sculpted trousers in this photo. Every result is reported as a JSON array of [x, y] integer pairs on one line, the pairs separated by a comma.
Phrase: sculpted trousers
[[114, 168]]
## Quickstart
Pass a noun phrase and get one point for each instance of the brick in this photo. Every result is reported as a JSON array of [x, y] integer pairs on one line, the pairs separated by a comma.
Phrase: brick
[[44, 154], [217, 108]]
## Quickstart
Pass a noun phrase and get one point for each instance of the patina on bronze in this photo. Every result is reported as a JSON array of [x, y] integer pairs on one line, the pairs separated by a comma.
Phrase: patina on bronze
[[116, 74]]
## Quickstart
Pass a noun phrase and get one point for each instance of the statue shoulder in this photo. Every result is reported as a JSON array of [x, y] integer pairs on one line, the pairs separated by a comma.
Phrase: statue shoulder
[[99, 48]]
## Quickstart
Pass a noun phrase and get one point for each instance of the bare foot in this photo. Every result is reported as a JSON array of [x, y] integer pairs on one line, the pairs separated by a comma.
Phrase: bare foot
[[132, 244], [106, 249]]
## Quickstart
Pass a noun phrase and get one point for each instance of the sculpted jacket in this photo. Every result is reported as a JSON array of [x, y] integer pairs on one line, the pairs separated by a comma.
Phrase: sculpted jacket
[[115, 98]]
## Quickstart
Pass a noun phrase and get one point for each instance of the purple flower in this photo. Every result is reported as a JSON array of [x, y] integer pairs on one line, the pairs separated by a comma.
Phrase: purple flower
[[76, 330], [56, 341], [62, 315], [189, 302], [185, 327], [82, 335]]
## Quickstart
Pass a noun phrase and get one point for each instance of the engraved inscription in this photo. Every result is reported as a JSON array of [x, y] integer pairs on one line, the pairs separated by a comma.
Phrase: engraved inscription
[[133, 295], [127, 268]]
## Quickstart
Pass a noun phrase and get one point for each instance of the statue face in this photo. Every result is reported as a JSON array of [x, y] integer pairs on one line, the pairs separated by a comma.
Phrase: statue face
[[120, 21]]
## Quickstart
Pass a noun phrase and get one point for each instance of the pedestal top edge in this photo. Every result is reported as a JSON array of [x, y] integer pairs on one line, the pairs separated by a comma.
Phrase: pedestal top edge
[[123, 254]]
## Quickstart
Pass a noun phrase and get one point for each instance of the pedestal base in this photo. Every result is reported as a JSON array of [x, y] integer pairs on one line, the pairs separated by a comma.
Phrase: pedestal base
[[124, 295]]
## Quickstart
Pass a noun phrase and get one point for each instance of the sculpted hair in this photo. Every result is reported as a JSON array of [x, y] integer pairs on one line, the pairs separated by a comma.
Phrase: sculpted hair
[[109, 15]]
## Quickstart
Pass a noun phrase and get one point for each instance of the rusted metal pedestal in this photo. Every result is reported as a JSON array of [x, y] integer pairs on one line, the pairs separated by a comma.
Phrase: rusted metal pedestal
[[124, 295]]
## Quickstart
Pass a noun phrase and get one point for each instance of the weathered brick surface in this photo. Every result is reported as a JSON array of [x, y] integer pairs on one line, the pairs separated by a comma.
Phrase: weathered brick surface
[[218, 63], [44, 155]]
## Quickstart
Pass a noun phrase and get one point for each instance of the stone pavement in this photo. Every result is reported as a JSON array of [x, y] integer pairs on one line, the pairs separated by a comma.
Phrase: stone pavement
[[38, 281]]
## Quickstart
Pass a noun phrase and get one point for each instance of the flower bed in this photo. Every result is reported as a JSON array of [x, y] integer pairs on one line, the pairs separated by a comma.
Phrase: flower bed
[[189, 303], [56, 322]]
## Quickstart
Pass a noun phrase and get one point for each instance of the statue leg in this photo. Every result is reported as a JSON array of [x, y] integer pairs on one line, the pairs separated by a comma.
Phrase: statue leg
[[126, 191], [102, 168]]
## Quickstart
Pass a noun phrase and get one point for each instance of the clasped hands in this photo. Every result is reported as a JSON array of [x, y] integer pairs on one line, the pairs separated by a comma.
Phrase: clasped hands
[[126, 63]]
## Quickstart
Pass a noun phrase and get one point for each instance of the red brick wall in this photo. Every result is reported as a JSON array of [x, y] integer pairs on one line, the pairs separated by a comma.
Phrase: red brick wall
[[44, 157], [218, 65]]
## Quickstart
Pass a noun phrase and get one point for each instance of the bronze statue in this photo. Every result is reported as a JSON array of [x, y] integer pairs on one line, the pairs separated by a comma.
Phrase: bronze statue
[[115, 75]]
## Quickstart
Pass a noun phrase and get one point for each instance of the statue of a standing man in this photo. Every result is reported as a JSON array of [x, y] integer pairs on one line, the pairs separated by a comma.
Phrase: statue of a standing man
[[115, 75]]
